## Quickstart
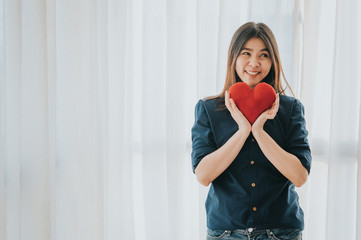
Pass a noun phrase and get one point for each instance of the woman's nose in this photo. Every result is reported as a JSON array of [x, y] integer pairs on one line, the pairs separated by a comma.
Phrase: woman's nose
[[253, 62]]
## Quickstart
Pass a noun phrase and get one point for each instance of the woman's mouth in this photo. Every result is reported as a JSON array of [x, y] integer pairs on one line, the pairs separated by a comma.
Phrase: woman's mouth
[[253, 73]]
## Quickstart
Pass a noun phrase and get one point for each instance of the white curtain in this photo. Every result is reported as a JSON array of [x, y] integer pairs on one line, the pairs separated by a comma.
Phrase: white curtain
[[97, 102], [331, 89]]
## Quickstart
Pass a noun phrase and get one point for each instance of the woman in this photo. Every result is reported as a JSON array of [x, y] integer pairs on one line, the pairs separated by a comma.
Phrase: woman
[[252, 169]]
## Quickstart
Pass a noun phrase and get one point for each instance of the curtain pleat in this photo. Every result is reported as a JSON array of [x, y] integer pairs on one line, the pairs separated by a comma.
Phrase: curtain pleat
[[79, 163], [34, 147], [11, 117]]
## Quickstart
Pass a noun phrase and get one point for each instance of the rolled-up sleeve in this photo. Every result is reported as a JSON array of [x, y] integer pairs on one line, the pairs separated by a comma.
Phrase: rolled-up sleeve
[[202, 136], [297, 136]]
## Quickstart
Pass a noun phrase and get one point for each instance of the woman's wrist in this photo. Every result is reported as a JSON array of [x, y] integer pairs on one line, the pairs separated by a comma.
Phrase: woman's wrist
[[258, 125], [244, 131], [257, 132]]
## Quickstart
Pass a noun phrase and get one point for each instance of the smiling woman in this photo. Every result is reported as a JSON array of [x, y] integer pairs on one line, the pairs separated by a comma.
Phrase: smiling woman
[[253, 167]]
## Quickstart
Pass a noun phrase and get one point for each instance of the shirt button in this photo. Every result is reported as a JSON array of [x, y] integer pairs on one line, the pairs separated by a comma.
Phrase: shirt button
[[250, 230], [252, 162], [254, 209], [253, 184], [252, 140]]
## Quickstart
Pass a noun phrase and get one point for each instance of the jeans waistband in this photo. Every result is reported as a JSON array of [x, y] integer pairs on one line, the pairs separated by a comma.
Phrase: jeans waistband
[[251, 232]]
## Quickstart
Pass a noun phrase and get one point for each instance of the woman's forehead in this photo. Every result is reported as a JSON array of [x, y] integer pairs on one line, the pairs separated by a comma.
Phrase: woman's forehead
[[256, 44]]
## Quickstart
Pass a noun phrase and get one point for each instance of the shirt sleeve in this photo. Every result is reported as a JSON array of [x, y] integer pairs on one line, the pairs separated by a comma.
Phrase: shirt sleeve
[[202, 136], [297, 136]]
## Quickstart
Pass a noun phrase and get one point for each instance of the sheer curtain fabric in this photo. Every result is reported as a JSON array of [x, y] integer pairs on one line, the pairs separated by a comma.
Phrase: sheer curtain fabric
[[97, 102]]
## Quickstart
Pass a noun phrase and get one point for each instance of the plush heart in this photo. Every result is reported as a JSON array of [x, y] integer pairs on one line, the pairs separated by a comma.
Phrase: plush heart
[[252, 102]]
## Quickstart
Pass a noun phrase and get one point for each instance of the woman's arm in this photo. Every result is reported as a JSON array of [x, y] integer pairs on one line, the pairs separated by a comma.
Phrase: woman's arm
[[215, 163], [212, 165], [288, 164]]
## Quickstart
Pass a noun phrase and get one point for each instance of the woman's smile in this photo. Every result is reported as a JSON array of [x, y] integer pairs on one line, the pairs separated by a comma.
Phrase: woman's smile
[[252, 73]]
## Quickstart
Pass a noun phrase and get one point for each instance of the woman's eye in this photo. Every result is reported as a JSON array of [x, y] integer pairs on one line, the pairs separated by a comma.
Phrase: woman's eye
[[265, 55], [246, 53]]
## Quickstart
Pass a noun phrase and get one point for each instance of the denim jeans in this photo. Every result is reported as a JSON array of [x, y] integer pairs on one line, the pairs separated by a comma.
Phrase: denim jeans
[[254, 234]]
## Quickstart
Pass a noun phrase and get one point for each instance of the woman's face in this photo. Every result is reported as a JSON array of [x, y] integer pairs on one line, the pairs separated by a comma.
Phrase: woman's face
[[254, 62]]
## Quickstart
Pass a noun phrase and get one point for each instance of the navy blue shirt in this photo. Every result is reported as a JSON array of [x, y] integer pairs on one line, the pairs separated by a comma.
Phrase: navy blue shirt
[[251, 192]]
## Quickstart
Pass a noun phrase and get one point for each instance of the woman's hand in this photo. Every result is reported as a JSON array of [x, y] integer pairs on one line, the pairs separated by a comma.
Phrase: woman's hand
[[243, 124], [268, 114]]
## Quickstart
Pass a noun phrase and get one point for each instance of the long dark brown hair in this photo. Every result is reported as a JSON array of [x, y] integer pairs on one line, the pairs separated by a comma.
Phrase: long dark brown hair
[[240, 37]]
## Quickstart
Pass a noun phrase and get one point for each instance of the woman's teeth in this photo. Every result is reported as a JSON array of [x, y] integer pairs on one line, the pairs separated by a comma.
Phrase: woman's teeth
[[252, 73]]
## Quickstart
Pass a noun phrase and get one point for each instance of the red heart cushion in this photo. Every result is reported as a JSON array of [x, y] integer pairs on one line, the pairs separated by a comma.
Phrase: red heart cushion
[[252, 102]]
